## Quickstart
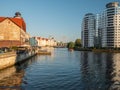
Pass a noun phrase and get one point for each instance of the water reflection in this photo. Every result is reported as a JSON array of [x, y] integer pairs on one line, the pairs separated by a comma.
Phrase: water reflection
[[11, 78], [93, 70], [7, 72], [65, 71], [116, 72]]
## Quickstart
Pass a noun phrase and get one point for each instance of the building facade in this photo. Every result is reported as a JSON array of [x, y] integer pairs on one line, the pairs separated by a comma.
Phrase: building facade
[[13, 31], [88, 30], [104, 29], [109, 26], [43, 42], [33, 41]]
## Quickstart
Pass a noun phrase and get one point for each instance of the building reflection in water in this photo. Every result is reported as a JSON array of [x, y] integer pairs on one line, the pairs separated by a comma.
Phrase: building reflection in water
[[7, 72], [100, 71], [116, 72], [11, 78]]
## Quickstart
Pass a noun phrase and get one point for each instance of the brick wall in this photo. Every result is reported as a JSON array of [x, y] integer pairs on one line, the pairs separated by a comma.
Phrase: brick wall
[[9, 43]]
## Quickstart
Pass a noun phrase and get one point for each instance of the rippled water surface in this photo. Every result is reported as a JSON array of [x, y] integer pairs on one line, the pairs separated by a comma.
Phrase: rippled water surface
[[65, 70]]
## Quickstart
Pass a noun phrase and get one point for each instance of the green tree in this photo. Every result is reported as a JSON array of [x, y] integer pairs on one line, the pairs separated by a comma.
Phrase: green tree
[[77, 43], [70, 45]]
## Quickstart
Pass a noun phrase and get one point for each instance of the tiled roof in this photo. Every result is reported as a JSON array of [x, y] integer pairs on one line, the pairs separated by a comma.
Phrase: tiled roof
[[38, 37], [46, 39], [2, 18], [18, 21]]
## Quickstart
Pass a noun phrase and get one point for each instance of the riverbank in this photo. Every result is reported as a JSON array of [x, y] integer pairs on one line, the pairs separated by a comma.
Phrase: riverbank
[[106, 50], [21, 54], [82, 49], [98, 50], [11, 58]]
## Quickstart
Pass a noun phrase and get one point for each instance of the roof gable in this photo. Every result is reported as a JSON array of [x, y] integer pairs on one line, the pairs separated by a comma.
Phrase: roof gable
[[2, 19], [18, 21]]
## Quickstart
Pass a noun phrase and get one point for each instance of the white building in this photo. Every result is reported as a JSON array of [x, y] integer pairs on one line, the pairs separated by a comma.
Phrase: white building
[[110, 26], [43, 42], [103, 29]]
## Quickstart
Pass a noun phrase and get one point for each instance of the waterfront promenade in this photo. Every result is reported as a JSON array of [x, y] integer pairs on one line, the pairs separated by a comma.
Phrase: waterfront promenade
[[8, 59]]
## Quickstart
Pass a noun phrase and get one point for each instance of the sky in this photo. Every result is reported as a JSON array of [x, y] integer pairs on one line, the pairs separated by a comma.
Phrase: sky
[[60, 19]]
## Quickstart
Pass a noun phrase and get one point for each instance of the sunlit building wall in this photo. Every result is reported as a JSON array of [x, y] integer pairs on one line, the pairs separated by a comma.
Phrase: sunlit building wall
[[43, 42], [13, 31], [110, 25]]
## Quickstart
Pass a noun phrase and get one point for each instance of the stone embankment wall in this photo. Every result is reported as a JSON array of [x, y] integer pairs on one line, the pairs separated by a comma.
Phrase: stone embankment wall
[[11, 58], [7, 59]]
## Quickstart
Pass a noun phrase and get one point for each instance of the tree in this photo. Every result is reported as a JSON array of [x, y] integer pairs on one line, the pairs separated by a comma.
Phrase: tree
[[77, 43], [71, 45]]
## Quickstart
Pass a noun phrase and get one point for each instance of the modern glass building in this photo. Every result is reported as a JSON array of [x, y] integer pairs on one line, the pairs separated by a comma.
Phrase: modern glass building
[[88, 30], [110, 26], [102, 32]]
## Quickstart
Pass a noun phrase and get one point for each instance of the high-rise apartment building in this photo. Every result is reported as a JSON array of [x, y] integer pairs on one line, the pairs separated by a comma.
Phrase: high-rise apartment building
[[102, 35], [102, 30], [110, 26], [88, 30]]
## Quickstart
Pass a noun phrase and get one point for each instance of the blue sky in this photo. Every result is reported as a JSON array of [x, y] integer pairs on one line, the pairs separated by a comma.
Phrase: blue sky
[[60, 19]]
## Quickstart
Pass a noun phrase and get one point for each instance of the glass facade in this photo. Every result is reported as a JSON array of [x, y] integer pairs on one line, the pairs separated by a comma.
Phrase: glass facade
[[102, 30], [88, 30]]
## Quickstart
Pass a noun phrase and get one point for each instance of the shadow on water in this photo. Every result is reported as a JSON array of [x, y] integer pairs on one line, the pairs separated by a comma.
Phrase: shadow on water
[[11, 77]]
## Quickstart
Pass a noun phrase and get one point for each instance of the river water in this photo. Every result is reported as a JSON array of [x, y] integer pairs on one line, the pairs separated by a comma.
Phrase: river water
[[64, 70]]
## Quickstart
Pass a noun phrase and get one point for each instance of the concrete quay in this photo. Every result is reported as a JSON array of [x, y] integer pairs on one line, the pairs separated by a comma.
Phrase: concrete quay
[[11, 58]]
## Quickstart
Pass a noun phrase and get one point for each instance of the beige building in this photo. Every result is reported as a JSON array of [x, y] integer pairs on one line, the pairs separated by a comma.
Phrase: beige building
[[13, 31], [42, 42]]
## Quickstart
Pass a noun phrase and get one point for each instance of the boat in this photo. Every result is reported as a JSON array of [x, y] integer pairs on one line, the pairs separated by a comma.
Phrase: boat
[[43, 52], [70, 49]]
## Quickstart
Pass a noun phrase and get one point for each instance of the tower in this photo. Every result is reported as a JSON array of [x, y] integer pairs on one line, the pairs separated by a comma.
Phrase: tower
[[110, 26], [88, 30]]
